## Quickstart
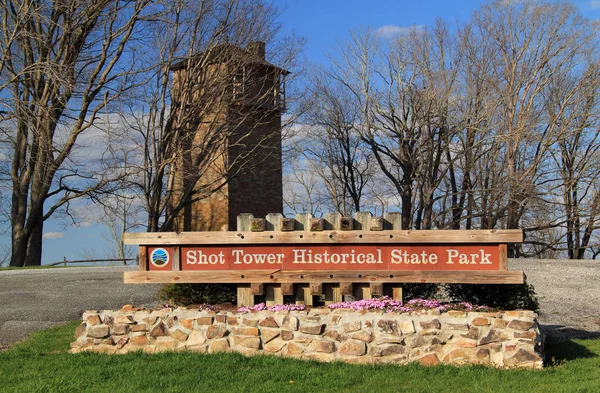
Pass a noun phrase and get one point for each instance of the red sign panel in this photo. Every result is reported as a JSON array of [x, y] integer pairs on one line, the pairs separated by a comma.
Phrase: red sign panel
[[330, 257]]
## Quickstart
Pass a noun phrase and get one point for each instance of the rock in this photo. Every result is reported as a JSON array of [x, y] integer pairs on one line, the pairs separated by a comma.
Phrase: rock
[[165, 344], [98, 331], [472, 333], [139, 340], [269, 322], [125, 319], [268, 335], [140, 327], [365, 335], [216, 331], [158, 331], [456, 314], [121, 342], [493, 336], [528, 334], [353, 348], [220, 318], [304, 340], [466, 342], [108, 320], [393, 339], [499, 323], [232, 321], [80, 331], [204, 321], [429, 360], [430, 332], [335, 319], [332, 334], [523, 357], [93, 320], [518, 324], [324, 346], [416, 341], [457, 326], [294, 350], [311, 329], [407, 328], [482, 354], [290, 323], [274, 346], [287, 335], [352, 326], [248, 342], [187, 323], [243, 331], [390, 350], [433, 324], [455, 355], [387, 326], [219, 345], [480, 322], [120, 329], [179, 335], [250, 322], [196, 338]]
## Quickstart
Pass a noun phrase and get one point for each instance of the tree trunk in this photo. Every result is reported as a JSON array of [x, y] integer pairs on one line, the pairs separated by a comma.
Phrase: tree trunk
[[34, 246]]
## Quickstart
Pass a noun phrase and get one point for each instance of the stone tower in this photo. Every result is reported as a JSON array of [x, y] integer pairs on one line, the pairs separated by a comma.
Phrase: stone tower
[[241, 127]]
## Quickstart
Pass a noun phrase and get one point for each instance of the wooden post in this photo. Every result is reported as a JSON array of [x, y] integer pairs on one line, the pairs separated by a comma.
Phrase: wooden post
[[304, 295], [362, 221], [362, 291], [273, 294], [503, 256], [393, 221], [273, 222], [303, 221], [244, 291], [176, 264], [143, 257], [332, 293], [333, 221], [258, 288]]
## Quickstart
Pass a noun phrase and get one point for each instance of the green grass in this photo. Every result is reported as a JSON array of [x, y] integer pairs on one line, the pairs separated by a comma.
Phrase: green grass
[[41, 364]]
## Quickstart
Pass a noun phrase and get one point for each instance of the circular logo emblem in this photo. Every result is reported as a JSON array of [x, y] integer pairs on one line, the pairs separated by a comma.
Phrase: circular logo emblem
[[159, 257]]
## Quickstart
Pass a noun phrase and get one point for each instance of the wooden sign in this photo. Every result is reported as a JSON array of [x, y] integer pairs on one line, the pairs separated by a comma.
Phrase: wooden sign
[[356, 257]]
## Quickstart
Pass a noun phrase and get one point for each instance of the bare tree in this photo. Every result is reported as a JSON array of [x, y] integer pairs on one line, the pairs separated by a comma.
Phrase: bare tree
[[60, 69]]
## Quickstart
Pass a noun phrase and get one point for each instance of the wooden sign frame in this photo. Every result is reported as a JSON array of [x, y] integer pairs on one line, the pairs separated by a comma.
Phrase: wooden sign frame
[[497, 238]]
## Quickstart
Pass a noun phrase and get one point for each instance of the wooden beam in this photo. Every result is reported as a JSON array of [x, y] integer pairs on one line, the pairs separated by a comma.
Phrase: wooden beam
[[346, 288], [287, 289], [316, 288], [496, 236], [257, 288], [376, 288], [316, 278]]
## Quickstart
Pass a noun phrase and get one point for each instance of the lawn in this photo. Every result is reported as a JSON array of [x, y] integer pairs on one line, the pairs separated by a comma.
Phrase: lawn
[[42, 364]]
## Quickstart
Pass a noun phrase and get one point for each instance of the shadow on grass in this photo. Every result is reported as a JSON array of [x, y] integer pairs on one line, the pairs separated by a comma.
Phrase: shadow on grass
[[560, 347]]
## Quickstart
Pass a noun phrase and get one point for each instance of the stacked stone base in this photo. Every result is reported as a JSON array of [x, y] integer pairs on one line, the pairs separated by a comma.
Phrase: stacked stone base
[[501, 339]]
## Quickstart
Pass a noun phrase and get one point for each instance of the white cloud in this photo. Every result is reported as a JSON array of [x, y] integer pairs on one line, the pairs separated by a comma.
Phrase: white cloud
[[595, 3], [389, 31], [53, 235]]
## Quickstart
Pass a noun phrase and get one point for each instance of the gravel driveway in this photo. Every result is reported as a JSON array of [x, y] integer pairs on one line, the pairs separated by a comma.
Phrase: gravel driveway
[[569, 293]]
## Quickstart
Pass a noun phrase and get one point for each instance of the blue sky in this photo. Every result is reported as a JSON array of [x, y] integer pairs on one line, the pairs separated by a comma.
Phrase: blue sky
[[322, 23]]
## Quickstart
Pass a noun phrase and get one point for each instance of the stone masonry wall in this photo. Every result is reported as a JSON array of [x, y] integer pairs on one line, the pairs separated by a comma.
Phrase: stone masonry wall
[[500, 339]]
